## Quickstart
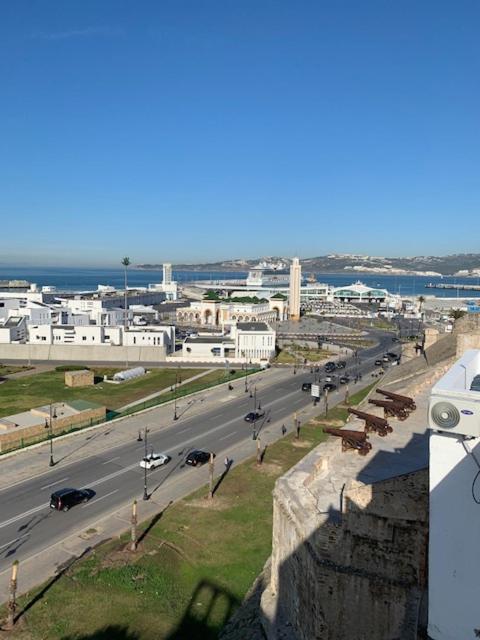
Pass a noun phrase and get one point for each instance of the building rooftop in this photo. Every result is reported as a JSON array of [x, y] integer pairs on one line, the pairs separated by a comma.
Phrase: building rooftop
[[13, 321], [210, 340], [252, 326]]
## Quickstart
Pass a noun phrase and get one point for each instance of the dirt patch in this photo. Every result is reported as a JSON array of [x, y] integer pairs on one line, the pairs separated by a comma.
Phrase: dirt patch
[[270, 468], [218, 503], [333, 423], [301, 444]]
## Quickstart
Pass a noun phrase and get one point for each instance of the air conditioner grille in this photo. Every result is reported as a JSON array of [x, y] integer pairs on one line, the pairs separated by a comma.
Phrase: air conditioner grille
[[445, 415]]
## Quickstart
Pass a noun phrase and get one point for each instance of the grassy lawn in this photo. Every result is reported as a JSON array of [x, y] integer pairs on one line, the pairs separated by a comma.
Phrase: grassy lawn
[[287, 355], [32, 391], [7, 369], [192, 569]]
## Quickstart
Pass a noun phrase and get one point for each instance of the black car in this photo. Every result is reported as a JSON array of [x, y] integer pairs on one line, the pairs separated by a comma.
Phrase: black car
[[197, 457], [392, 355], [307, 386], [329, 367], [253, 416], [475, 385], [341, 364], [344, 380], [329, 386], [64, 499], [378, 363]]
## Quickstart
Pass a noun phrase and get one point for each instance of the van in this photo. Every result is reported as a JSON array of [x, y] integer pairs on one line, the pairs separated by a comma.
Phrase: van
[[64, 499]]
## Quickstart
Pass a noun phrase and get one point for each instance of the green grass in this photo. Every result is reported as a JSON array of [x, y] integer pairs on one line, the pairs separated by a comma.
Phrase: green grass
[[27, 392], [287, 355], [192, 570], [7, 369]]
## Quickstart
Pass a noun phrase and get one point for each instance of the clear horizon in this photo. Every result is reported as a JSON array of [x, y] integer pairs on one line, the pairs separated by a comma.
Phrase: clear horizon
[[199, 130]]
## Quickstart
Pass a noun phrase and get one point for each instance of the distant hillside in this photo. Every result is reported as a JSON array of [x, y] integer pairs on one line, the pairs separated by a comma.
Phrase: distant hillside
[[337, 263]]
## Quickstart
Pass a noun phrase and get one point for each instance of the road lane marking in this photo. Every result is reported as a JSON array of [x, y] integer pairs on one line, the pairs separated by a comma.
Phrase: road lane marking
[[98, 499], [183, 430], [25, 514], [13, 541], [111, 460], [110, 476], [227, 436], [52, 483]]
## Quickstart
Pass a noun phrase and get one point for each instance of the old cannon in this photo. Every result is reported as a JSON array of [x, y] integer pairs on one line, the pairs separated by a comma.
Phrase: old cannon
[[373, 423], [357, 440], [409, 403], [391, 408]]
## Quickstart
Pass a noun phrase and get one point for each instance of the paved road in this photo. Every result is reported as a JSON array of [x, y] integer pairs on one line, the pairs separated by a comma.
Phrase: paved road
[[28, 526]]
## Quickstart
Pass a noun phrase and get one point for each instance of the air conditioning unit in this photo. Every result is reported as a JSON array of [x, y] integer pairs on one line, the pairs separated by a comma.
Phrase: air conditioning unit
[[453, 407]]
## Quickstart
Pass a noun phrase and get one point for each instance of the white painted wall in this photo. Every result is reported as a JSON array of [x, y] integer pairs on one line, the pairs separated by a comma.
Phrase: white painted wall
[[454, 548]]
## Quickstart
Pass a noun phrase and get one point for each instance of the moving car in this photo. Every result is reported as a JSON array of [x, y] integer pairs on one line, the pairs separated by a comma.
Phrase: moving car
[[344, 380], [329, 378], [197, 457], [329, 367], [341, 364], [378, 363], [64, 499], [253, 416], [307, 386], [153, 460], [329, 386]]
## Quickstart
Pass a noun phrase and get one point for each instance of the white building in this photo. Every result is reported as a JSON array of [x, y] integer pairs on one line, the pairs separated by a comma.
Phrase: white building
[[169, 287], [150, 336], [14, 329], [35, 312], [250, 341], [224, 313]]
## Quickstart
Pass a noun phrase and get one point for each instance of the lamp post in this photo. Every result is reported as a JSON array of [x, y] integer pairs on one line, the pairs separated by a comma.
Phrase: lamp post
[[49, 426], [175, 417], [246, 371], [145, 490]]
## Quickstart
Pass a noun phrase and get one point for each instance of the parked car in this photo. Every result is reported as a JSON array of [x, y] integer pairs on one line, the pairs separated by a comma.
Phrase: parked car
[[307, 386], [329, 367], [329, 386], [344, 380], [196, 457], [253, 416], [386, 358], [64, 499], [329, 378], [341, 364], [378, 363], [153, 460]]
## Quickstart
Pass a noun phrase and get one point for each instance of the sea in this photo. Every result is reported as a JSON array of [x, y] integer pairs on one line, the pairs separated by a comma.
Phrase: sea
[[87, 279]]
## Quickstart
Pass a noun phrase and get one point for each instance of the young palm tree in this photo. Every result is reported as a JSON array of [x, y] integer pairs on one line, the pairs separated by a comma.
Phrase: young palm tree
[[456, 314], [126, 263], [421, 300]]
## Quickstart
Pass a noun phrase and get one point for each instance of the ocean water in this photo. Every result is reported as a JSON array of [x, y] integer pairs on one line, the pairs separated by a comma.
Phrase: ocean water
[[83, 279]]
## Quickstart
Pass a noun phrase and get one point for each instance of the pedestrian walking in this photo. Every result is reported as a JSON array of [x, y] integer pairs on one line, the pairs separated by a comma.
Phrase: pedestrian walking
[[284, 429], [226, 463]]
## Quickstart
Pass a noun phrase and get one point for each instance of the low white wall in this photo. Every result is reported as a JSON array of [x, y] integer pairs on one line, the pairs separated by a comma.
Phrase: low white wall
[[76, 353]]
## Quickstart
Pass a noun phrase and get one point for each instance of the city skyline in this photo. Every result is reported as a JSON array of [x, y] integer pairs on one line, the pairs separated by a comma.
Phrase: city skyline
[[200, 132]]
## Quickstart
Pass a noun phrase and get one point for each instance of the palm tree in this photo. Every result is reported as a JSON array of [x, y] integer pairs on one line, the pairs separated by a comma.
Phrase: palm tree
[[456, 314], [126, 263], [421, 300]]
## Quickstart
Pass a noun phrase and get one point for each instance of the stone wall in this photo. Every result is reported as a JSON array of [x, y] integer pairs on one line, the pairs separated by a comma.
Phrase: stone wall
[[83, 378], [360, 573]]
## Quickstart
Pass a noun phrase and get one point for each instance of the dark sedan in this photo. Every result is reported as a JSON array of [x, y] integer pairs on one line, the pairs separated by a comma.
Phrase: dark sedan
[[253, 416], [196, 458], [329, 386]]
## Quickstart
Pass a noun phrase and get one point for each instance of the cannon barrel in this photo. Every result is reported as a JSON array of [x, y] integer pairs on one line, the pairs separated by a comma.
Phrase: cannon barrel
[[346, 433], [368, 417], [394, 404], [409, 402]]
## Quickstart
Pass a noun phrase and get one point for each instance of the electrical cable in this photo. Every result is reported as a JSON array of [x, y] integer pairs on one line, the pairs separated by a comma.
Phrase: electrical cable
[[477, 475]]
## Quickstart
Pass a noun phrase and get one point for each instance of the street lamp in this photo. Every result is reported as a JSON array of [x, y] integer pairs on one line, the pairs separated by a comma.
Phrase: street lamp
[[145, 490], [49, 426], [175, 417], [246, 371]]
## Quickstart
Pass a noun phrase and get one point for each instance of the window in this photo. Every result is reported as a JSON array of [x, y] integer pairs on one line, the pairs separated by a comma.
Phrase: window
[[84, 338]]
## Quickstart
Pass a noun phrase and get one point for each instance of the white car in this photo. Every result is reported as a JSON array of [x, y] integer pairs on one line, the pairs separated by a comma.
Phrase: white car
[[154, 460]]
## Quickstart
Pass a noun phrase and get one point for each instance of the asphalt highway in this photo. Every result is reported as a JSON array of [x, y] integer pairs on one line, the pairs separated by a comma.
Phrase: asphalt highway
[[28, 525]]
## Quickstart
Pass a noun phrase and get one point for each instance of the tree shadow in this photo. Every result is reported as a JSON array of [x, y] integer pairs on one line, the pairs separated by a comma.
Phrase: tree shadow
[[221, 478], [153, 522], [112, 632], [45, 589]]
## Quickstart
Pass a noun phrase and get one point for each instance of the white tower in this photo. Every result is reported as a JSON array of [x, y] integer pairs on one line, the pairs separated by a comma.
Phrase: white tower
[[295, 282], [167, 273]]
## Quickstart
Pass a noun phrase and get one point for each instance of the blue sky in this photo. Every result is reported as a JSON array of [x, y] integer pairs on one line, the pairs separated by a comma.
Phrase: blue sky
[[200, 130]]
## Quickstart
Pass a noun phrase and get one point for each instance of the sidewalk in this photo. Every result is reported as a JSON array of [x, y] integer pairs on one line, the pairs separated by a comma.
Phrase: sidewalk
[[32, 461]]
